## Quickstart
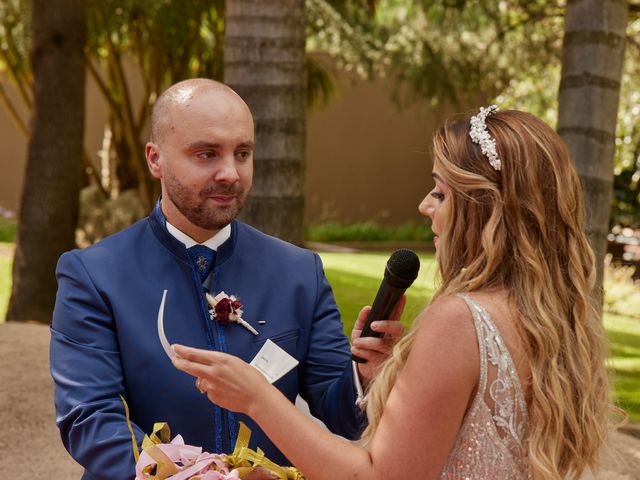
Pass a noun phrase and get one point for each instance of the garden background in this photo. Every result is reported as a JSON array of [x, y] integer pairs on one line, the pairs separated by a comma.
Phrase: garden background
[[352, 88]]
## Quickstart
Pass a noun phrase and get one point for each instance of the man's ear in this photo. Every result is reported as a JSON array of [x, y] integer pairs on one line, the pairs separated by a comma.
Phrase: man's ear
[[152, 152]]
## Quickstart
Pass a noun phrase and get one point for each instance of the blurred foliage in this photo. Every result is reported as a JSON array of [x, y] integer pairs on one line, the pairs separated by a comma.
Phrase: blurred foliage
[[622, 292], [100, 217], [446, 49], [136, 49], [15, 39], [626, 186], [538, 94], [347, 31], [159, 43], [8, 230], [368, 232], [441, 49], [460, 51], [510, 51], [130, 42]]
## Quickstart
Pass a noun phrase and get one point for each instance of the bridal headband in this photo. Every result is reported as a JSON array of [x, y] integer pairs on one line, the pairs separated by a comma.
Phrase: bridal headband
[[480, 135]]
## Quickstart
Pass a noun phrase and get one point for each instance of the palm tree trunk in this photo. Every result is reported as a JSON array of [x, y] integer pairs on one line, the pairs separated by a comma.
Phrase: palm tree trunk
[[49, 203], [592, 59], [264, 61]]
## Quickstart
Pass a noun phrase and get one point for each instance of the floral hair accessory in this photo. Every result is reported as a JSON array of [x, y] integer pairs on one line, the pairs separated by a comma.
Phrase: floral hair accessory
[[227, 309], [480, 135]]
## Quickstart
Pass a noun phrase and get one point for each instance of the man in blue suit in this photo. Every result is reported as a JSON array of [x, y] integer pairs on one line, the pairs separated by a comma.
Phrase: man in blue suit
[[104, 340]]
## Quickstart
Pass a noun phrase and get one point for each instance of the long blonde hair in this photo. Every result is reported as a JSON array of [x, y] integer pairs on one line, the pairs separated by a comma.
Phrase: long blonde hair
[[521, 228]]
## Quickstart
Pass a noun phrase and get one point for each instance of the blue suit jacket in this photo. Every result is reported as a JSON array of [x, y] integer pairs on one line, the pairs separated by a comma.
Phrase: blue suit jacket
[[104, 341]]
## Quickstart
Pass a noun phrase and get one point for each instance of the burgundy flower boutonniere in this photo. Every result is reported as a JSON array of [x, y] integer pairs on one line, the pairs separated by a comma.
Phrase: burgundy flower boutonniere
[[227, 309]]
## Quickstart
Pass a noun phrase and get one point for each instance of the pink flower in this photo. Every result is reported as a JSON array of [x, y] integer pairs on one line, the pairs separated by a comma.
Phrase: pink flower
[[177, 461]]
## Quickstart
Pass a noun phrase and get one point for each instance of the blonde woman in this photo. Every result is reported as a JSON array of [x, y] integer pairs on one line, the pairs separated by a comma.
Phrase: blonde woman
[[502, 376]]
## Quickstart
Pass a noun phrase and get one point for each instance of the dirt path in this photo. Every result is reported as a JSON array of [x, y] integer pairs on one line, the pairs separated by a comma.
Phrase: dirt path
[[30, 448]]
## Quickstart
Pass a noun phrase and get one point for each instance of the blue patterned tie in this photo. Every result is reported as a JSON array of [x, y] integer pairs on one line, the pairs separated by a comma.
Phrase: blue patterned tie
[[203, 259]]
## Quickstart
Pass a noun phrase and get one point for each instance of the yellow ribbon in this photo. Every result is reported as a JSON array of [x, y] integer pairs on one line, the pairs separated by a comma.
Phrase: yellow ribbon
[[136, 450], [161, 434], [243, 454], [243, 458]]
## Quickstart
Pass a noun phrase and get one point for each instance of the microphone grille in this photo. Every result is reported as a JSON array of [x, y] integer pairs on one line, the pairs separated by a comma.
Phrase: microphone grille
[[404, 265]]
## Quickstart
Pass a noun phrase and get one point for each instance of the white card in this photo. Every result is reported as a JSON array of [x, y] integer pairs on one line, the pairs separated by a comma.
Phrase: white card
[[273, 362], [163, 338]]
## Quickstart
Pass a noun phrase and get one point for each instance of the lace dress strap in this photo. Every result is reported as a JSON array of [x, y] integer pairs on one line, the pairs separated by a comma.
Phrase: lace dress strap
[[505, 391], [491, 441], [477, 320]]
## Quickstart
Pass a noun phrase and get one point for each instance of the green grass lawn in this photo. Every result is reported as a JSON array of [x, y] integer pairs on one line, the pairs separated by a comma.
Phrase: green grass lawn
[[355, 279], [624, 342]]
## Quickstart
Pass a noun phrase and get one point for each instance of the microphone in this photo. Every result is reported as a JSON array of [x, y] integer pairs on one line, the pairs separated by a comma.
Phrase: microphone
[[400, 272]]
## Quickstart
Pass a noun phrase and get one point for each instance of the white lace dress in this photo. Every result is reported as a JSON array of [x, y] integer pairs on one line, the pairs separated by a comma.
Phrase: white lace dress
[[491, 443]]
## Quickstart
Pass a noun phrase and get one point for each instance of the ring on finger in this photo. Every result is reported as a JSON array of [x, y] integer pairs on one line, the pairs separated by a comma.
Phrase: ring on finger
[[199, 385]]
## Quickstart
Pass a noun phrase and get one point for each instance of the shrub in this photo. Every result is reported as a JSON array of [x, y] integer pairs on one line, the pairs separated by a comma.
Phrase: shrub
[[8, 230], [368, 232]]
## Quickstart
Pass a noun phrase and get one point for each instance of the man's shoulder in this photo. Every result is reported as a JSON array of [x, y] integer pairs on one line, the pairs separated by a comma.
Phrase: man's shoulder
[[115, 246], [254, 238]]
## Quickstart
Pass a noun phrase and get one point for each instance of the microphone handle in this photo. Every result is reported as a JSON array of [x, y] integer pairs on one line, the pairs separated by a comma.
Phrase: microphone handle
[[384, 303]]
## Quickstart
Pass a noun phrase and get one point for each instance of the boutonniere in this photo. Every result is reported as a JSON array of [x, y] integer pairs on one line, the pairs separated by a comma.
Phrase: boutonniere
[[227, 309]]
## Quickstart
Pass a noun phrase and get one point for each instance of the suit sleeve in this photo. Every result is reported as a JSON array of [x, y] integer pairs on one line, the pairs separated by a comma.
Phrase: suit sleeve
[[88, 376], [328, 383]]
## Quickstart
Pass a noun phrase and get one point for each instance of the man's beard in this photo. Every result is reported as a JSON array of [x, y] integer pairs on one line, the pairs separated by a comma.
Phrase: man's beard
[[196, 208]]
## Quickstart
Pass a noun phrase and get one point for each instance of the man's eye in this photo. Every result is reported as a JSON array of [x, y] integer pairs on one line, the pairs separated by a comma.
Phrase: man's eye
[[243, 154], [206, 154]]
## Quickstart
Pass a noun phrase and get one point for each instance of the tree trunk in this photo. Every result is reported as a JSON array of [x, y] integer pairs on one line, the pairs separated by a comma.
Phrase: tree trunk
[[592, 59], [264, 61], [49, 203]]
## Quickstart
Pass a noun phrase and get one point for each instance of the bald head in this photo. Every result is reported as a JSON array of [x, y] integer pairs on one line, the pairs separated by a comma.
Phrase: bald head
[[201, 150], [181, 96]]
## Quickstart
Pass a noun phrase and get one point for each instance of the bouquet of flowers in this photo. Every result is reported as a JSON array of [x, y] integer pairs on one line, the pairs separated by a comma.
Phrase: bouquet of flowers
[[165, 459]]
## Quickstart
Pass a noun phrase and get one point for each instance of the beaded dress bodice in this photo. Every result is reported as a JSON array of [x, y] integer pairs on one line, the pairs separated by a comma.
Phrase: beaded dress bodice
[[491, 443]]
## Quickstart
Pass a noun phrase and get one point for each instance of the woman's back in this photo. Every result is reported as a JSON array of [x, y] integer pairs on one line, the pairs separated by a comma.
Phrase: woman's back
[[491, 442]]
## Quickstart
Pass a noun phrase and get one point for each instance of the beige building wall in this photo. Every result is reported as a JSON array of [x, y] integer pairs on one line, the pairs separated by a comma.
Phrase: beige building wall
[[366, 159]]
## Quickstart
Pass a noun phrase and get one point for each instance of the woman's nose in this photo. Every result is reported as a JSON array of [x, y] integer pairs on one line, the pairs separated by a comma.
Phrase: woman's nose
[[425, 208]]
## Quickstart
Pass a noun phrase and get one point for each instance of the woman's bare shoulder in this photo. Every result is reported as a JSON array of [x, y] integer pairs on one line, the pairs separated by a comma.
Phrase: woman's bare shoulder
[[446, 332], [449, 312]]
